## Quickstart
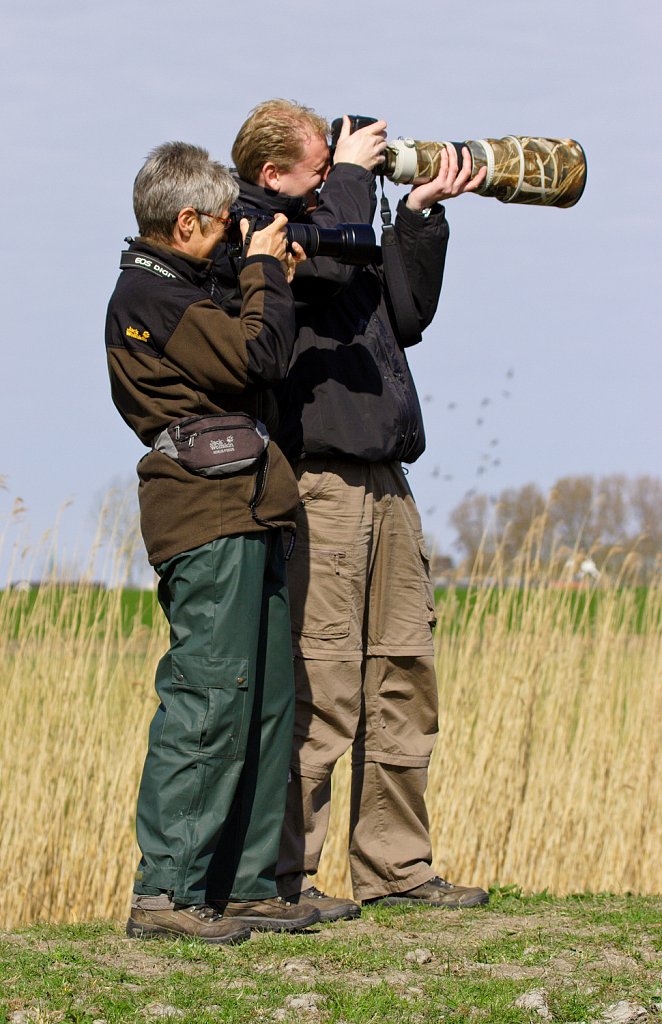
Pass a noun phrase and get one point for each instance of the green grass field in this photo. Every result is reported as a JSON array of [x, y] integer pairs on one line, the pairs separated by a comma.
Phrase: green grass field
[[88, 606]]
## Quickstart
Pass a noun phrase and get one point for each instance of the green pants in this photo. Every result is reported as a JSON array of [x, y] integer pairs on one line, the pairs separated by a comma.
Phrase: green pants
[[212, 795]]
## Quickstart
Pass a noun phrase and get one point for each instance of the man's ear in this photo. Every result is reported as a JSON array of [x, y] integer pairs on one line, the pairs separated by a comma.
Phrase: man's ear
[[270, 177]]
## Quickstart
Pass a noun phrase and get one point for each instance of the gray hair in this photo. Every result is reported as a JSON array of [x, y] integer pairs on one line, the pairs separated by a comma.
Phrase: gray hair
[[174, 176]]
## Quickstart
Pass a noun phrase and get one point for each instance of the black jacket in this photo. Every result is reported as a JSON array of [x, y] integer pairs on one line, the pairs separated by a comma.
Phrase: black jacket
[[349, 391]]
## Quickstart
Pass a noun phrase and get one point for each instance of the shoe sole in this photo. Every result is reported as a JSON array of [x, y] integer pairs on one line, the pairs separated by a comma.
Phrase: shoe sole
[[277, 924], [405, 901], [340, 914], [139, 931]]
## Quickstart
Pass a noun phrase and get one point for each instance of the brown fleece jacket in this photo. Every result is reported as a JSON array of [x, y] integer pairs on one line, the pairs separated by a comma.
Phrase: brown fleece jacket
[[172, 352]]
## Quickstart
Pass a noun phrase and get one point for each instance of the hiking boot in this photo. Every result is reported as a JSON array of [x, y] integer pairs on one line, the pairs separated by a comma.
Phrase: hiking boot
[[435, 893], [272, 915], [197, 922], [330, 908]]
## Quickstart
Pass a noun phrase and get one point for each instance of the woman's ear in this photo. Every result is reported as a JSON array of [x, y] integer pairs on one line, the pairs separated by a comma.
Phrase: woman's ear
[[186, 221]]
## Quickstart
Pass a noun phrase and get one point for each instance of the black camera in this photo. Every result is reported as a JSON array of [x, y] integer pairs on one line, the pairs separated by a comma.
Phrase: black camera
[[356, 121], [354, 244]]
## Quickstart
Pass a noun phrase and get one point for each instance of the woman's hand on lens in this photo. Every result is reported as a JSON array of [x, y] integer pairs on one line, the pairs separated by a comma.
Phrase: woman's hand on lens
[[292, 261]]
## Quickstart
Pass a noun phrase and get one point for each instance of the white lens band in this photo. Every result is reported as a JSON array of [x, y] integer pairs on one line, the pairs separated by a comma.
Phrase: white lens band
[[406, 161]]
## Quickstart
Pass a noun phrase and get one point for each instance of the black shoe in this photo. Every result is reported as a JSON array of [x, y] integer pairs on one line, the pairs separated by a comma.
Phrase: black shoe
[[197, 922], [272, 915], [435, 893], [330, 908]]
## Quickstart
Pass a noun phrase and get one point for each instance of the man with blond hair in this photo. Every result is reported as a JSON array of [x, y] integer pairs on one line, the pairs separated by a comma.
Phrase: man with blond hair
[[361, 596]]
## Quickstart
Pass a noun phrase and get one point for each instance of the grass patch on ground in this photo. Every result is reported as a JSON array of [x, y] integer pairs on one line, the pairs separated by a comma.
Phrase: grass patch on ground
[[581, 954]]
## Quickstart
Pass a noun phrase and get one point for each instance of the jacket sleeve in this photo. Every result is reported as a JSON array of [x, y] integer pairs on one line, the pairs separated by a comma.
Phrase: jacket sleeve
[[216, 351], [348, 196], [423, 243]]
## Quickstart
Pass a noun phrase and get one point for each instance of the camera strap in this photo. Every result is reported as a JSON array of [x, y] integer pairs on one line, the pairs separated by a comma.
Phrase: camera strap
[[237, 262], [138, 261], [397, 280]]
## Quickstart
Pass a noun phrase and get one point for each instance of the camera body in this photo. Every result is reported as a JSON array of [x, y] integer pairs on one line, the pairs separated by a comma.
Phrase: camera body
[[353, 244]]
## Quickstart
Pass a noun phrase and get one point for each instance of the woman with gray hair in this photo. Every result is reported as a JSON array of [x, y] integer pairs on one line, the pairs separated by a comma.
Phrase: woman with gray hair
[[215, 495]]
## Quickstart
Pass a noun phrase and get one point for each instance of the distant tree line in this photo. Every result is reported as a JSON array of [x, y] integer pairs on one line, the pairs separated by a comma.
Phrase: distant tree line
[[613, 518]]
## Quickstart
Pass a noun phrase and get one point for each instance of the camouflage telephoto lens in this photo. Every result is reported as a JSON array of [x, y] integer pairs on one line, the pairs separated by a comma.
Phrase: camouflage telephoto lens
[[520, 168]]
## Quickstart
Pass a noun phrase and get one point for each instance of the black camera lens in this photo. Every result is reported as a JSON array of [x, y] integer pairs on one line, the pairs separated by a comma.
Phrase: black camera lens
[[354, 244]]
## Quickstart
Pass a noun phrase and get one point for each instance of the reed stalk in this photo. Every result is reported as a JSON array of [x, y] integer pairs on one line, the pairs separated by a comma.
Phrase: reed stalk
[[545, 774]]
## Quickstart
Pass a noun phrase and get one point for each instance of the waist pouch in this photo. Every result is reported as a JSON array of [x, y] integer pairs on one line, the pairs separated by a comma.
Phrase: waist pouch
[[216, 445]]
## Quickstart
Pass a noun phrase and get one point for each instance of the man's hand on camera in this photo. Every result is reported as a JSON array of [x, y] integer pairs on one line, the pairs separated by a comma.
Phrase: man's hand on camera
[[364, 147], [449, 183], [272, 241]]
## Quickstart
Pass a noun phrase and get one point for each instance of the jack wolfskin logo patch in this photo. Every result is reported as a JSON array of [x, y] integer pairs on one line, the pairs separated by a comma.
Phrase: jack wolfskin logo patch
[[223, 446], [133, 332]]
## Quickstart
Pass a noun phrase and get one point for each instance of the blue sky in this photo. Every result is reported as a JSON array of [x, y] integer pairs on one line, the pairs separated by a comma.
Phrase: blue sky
[[548, 328]]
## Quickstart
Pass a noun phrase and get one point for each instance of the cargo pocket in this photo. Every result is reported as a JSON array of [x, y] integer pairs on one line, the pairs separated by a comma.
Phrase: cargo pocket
[[320, 592], [428, 586], [207, 712]]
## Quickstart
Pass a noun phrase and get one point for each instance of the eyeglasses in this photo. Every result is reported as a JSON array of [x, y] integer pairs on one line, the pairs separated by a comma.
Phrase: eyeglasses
[[214, 216]]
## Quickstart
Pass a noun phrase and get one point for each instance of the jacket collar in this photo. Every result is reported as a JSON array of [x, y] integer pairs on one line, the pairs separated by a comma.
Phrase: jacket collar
[[294, 207], [190, 267]]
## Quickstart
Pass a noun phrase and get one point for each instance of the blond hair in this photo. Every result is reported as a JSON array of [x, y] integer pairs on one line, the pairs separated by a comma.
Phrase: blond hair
[[275, 131]]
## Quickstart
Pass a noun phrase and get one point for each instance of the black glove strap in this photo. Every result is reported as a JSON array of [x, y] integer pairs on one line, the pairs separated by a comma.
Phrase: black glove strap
[[239, 262]]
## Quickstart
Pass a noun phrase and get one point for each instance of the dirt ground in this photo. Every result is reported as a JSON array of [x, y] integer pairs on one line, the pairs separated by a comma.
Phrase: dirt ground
[[538, 959]]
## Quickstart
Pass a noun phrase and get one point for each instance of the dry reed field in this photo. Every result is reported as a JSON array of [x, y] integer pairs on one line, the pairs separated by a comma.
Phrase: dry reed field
[[545, 775]]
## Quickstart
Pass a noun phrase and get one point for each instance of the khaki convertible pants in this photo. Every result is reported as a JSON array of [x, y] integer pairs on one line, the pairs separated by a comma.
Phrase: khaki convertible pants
[[362, 608]]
